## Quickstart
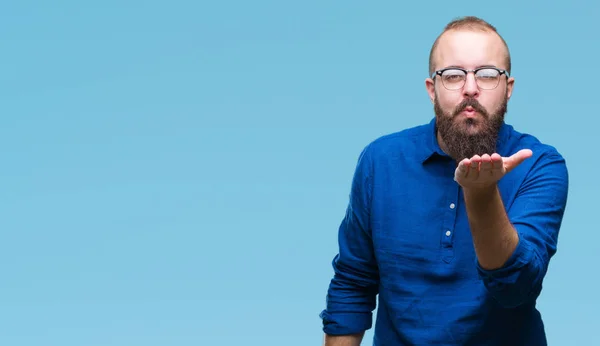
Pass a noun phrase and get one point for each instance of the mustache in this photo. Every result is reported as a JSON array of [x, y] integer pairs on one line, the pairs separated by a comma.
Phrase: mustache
[[472, 103]]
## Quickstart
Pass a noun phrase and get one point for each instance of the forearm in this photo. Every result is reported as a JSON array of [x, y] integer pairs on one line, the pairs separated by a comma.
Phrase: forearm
[[343, 340], [494, 237], [514, 246]]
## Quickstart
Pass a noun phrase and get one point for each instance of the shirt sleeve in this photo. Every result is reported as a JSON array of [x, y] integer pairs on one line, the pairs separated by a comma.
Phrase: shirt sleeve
[[351, 297], [536, 214]]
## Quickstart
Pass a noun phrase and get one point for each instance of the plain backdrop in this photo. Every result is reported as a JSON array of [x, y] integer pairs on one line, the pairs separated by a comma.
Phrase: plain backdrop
[[174, 173]]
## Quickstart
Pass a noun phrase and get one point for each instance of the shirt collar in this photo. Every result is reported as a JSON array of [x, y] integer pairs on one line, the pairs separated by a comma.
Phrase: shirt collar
[[431, 147]]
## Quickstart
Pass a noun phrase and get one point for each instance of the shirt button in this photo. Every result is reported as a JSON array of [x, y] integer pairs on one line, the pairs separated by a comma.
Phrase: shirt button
[[448, 233], [452, 205]]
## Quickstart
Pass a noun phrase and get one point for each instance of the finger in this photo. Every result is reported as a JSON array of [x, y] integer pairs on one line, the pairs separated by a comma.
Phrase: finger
[[486, 165], [463, 169], [497, 164], [464, 166], [516, 159], [496, 159], [474, 167]]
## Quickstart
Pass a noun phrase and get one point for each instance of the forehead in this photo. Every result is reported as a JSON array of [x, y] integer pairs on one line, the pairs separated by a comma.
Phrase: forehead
[[470, 49]]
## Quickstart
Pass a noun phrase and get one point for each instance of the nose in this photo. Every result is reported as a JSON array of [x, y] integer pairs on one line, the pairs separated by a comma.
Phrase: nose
[[470, 89]]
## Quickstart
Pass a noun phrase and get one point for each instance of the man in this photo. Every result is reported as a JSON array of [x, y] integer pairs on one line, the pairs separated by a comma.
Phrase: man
[[452, 223]]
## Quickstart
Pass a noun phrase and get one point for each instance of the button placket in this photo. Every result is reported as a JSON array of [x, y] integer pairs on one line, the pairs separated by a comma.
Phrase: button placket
[[449, 222]]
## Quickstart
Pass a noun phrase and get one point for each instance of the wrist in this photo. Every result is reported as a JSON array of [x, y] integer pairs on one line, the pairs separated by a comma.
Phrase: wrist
[[480, 192]]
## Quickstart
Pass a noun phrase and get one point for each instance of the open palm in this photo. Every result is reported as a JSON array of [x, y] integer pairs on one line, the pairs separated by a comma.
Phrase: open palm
[[483, 171]]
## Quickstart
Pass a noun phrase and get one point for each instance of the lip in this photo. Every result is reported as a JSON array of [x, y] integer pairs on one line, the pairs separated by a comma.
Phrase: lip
[[469, 113]]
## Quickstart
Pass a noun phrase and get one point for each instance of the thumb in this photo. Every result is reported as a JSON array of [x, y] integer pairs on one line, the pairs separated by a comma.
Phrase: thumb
[[516, 159]]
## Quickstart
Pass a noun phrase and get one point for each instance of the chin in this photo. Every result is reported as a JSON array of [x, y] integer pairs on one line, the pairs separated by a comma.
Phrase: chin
[[469, 126], [468, 122]]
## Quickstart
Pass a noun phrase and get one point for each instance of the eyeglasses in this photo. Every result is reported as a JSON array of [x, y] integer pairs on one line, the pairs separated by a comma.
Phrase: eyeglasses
[[454, 78]]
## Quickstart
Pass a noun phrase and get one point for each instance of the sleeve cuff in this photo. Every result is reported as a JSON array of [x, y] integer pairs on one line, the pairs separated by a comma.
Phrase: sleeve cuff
[[346, 323], [509, 273]]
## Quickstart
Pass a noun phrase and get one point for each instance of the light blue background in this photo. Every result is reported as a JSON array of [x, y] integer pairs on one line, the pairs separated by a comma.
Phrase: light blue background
[[174, 173]]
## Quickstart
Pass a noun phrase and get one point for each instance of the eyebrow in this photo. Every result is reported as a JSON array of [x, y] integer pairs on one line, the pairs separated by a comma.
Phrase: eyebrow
[[477, 67]]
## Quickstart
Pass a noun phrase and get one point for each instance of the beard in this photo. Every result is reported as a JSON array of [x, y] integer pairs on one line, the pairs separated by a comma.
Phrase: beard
[[466, 137]]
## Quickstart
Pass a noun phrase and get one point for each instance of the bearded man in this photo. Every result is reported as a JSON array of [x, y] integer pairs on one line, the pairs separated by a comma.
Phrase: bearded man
[[452, 224]]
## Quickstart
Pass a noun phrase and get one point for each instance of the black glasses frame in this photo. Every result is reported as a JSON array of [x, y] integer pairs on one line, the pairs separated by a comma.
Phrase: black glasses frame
[[500, 71]]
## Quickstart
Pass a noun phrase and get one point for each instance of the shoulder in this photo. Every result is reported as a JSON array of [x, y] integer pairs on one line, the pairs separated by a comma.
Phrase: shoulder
[[542, 151], [545, 169], [400, 142]]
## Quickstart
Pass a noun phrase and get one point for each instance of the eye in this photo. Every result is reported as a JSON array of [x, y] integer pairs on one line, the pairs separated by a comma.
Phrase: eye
[[453, 75], [488, 73]]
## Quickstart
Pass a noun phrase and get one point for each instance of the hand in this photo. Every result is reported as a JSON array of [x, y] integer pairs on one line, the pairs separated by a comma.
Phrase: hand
[[485, 171]]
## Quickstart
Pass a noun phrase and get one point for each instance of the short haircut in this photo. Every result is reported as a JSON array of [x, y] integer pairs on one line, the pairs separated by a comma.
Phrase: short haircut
[[467, 23]]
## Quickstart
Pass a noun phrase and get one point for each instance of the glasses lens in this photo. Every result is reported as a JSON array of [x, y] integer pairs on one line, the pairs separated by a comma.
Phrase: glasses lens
[[453, 79], [488, 78]]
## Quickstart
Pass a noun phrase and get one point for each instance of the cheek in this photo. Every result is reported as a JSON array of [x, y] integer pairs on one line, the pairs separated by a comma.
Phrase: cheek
[[449, 100], [492, 102]]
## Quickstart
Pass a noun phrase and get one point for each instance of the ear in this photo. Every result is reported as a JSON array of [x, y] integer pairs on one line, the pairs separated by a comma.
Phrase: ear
[[430, 87], [510, 84]]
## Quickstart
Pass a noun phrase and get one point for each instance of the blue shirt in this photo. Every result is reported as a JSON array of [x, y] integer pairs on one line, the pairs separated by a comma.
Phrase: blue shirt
[[405, 237]]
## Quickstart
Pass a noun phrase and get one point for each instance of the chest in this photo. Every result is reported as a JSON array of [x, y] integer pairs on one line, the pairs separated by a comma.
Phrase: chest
[[418, 215]]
